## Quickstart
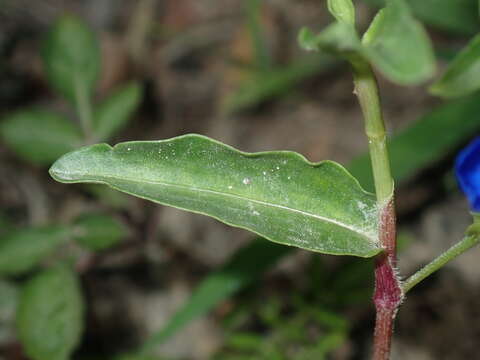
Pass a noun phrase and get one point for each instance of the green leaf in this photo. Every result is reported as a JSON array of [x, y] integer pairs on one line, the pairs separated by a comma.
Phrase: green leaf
[[98, 232], [21, 250], [39, 136], [278, 195], [398, 45], [462, 76], [242, 269], [338, 38], [410, 153], [415, 148], [50, 315], [342, 10], [71, 57], [114, 112], [459, 16]]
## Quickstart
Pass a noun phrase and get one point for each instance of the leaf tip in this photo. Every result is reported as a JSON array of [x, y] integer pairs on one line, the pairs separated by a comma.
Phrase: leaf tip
[[72, 167]]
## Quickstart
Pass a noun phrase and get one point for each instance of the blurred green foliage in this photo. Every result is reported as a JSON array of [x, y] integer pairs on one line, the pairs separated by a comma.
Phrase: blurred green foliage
[[46, 291], [50, 311]]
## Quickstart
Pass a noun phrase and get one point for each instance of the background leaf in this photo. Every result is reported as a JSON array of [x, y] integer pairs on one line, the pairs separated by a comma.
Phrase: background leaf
[[98, 232], [278, 195], [71, 57], [39, 136], [114, 112], [462, 76], [50, 314], [21, 250]]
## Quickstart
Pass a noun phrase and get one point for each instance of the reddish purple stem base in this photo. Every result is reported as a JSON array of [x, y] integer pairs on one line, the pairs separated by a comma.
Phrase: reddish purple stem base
[[388, 292]]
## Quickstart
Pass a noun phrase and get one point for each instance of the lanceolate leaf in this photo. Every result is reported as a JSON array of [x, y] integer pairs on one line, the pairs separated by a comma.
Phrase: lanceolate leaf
[[463, 74], [408, 157], [278, 195], [50, 315]]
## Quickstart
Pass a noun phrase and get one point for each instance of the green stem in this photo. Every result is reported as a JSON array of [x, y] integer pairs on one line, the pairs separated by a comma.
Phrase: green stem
[[472, 239], [388, 293], [84, 110], [366, 90]]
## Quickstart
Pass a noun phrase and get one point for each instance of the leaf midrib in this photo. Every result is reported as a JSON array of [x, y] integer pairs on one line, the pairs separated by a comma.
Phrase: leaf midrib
[[273, 205]]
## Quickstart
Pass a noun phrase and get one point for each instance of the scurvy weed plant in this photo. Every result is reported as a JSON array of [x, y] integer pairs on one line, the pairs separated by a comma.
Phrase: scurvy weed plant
[[283, 197]]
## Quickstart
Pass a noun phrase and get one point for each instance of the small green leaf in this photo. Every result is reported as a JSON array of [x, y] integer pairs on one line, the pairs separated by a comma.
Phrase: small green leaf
[[111, 115], [398, 45], [375, 27], [39, 136], [21, 250], [395, 43], [338, 38], [278, 195], [342, 10], [71, 57], [98, 232], [50, 315], [462, 76]]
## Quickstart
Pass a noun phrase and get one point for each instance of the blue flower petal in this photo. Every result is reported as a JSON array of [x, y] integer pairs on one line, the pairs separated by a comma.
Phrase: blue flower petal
[[467, 168]]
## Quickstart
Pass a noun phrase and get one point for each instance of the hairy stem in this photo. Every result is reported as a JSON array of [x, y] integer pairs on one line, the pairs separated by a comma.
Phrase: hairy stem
[[388, 292], [472, 239]]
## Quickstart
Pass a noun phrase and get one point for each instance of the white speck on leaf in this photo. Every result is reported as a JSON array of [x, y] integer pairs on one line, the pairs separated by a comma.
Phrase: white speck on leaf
[[247, 181]]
